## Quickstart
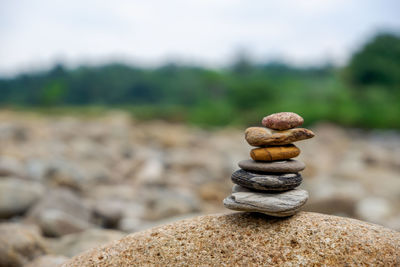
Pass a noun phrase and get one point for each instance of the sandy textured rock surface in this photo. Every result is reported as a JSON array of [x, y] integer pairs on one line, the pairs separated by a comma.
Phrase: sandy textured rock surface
[[260, 136], [284, 166], [274, 153], [282, 120], [243, 239]]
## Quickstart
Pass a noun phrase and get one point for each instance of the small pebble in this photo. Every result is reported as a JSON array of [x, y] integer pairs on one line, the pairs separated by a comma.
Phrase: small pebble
[[274, 153], [282, 121], [283, 166], [266, 182], [260, 136]]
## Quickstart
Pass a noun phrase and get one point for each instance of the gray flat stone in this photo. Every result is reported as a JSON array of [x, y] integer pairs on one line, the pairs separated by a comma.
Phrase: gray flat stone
[[279, 205], [266, 182], [283, 166]]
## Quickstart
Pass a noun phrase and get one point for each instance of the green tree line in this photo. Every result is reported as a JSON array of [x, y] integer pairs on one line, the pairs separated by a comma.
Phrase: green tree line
[[365, 93]]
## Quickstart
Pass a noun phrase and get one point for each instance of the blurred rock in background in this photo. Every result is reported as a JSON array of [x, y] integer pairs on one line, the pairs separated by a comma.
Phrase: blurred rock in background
[[80, 182]]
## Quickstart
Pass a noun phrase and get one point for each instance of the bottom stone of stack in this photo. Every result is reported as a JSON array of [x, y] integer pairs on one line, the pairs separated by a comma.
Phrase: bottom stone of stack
[[275, 204]]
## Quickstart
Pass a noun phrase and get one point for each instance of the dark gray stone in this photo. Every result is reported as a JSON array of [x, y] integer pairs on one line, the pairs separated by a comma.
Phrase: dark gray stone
[[282, 166], [266, 182]]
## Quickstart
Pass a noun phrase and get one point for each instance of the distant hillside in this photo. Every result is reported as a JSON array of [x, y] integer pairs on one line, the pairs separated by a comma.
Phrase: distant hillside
[[366, 93]]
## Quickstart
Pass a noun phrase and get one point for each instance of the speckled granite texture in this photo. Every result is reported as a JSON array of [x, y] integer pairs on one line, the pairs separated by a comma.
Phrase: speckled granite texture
[[243, 239]]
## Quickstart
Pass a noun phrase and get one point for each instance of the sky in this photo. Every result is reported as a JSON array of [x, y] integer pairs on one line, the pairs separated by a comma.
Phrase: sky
[[36, 34]]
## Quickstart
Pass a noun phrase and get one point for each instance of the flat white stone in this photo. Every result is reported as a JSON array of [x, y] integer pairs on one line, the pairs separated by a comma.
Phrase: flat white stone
[[279, 205]]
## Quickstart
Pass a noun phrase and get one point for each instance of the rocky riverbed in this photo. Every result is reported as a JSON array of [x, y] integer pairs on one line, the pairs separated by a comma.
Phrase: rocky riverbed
[[76, 182]]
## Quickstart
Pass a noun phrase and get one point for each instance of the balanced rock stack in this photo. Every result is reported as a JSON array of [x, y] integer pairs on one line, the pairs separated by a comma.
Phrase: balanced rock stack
[[267, 183]]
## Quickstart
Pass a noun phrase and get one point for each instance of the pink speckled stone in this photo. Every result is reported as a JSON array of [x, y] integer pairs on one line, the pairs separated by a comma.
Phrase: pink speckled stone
[[282, 121]]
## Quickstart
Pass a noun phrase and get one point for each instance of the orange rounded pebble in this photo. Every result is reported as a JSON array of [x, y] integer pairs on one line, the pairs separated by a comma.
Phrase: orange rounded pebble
[[274, 153]]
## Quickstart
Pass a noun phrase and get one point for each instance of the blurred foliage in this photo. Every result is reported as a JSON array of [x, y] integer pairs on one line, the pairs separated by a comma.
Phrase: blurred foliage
[[366, 93], [377, 64]]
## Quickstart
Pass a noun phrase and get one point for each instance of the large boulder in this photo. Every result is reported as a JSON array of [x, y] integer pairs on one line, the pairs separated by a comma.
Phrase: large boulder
[[19, 244], [241, 239]]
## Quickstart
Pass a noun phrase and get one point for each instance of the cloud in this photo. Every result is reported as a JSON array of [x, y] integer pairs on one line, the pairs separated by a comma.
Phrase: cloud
[[39, 32]]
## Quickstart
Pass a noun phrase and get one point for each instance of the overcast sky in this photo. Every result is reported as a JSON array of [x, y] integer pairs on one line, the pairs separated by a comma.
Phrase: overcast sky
[[37, 33]]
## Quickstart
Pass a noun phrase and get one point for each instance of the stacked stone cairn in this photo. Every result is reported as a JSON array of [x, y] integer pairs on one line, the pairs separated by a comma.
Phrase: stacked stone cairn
[[267, 183]]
